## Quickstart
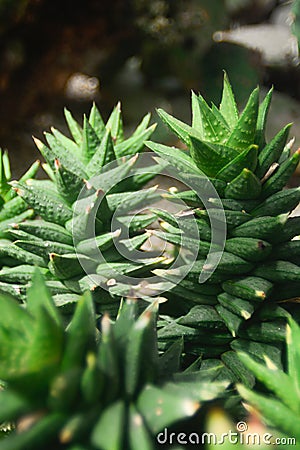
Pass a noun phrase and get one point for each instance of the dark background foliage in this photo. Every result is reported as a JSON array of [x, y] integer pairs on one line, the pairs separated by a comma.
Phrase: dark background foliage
[[56, 53]]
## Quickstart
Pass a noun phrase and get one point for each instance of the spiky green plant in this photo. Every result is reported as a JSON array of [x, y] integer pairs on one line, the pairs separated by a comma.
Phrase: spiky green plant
[[237, 307], [78, 388], [281, 408], [12, 208], [95, 166]]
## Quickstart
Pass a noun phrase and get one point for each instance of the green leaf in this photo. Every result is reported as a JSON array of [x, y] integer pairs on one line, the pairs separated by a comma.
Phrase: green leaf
[[236, 305], [258, 350], [115, 125], [74, 127], [276, 381], [108, 432], [96, 121], [106, 269], [293, 353], [262, 120], [44, 353], [31, 172], [177, 158], [125, 320], [127, 201], [39, 297], [232, 361], [6, 164], [180, 128], [210, 157], [103, 155], [274, 411], [66, 143], [102, 242], [46, 203], [232, 321], [196, 115], [68, 183], [69, 266], [4, 186], [213, 129], [202, 316], [139, 437], [143, 125], [35, 436], [281, 176], [169, 361], [161, 409], [29, 347], [12, 405], [242, 136], [108, 359], [57, 151], [245, 160], [134, 352], [80, 333], [141, 176], [90, 141], [246, 186], [134, 144], [12, 208], [228, 106], [110, 178], [272, 151], [221, 118]]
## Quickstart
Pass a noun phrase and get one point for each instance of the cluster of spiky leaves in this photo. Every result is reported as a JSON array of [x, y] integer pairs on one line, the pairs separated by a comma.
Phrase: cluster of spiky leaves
[[81, 166], [237, 308], [281, 410], [81, 389], [12, 208]]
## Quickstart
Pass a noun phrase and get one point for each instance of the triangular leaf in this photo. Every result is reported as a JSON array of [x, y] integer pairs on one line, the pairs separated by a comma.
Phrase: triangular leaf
[[228, 106], [103, 155], [213, 128], [160, 408], [96, 121], [134, 144], [80, 334], [108, 431], [180, 128], [115, 124], [262, 120], [177, 158], [90, 141], [246, 186], [209, 157], [39, 297], [244, 131], [275, 380], [74, 127], [245, 160]]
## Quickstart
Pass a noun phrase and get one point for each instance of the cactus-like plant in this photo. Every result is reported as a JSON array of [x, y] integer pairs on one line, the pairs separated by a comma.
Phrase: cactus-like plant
[[281, 410], [90, 179], [12, 208], [237, 307], [78, 388]]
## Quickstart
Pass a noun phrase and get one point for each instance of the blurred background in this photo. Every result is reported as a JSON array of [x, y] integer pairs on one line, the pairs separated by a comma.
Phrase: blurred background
[[56, 53]]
